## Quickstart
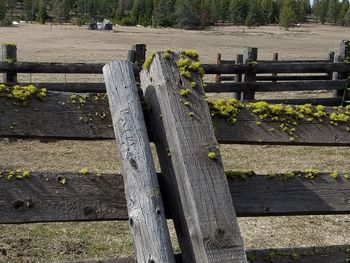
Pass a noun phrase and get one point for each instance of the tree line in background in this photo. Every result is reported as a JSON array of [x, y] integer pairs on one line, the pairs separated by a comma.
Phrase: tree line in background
[[179, 13]]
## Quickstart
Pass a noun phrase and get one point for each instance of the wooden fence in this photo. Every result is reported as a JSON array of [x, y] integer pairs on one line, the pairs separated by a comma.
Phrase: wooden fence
[[183, 149]]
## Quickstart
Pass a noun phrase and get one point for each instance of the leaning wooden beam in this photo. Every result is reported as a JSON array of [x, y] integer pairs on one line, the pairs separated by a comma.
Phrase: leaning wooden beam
[[62, 197], [334, 254], [205, 218], [86, 117], [279, 86], [145, 207]]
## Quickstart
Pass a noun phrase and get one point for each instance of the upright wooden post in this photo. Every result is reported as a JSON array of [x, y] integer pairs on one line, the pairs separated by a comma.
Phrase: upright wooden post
[[250, 57], [145, 207], [344, 53], [274, 58], [140, 53], [196, 185], [131, 56], [218, 61], [238, 77], [331, 56], [9, 55]]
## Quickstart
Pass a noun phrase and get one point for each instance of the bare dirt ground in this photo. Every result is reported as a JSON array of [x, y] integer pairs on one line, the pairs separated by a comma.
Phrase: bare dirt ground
[[72, 241]]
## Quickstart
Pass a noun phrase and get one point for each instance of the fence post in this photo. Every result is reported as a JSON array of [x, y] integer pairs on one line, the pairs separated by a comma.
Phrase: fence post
[[140, 53], [250, 57], [344, 53], [145, 208], [196, 185], [9, 55], [238, 77], [331, 56], [218, 61], [274, 58]]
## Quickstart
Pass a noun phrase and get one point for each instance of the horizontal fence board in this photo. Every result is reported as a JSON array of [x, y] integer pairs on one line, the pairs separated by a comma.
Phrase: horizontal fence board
[[67, 87], [276, 68], [278, 86], [280, 78], [56, 67], [42, 198], [83, 68], [51, 119], [334, 254], [313, 101]]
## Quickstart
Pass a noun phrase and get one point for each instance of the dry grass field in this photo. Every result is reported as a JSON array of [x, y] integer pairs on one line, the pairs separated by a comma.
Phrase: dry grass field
[[73, 241]]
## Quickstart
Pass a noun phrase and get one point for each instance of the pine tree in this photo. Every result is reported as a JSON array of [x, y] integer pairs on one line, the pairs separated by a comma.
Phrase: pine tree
[[266, 11], [3, 10], [344, 7], [303, 10], [333, 11], [347, 18], [253, 18], [164, 13], [288, 14], [239, 11], [41, 15], [187, 13]]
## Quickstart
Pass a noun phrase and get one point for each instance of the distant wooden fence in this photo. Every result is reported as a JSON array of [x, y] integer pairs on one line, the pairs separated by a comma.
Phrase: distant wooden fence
[[193, 187]]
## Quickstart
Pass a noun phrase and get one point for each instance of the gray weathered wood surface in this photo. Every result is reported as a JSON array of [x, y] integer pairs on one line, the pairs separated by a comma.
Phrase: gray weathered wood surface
[[208, 219], [334, 254], [275, 87], [42, 198], [82, 68], [281, 77], [92, 120], [9, 54], [145, 207], [250, 55]]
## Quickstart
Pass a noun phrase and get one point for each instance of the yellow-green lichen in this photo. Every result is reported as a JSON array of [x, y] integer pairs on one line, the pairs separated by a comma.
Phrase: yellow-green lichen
[[84, 171], [228, 109], [212, 155], [148, 61], [184, 92], [22, 94]]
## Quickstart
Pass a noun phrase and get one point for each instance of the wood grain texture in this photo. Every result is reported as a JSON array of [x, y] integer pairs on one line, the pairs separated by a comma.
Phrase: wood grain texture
[[208, 213], [9, 54], [51, 119], [275, 87], [56, 67], [335, 254], [250, 55], [145, 207], [282, 78], [277, 67], [60, 115], [41, 198]]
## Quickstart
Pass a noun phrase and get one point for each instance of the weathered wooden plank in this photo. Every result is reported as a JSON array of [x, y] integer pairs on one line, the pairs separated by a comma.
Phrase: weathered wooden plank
[[82, 68], [278, 67], [66, 87], [56, 67], [250, 55], [59, 115], [208, 222], [281, 78], [51, 119], [60, 197], [274, 87], [9, 55], [145, 207], [42, 198], [335, 254], [248, 129], [313, 101]]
